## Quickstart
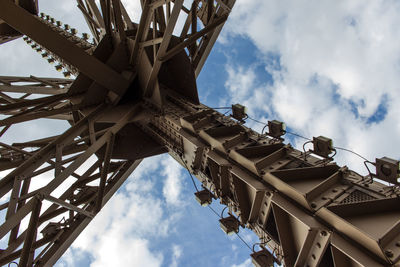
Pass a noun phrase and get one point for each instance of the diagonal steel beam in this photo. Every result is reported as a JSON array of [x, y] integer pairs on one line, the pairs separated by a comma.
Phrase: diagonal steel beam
[[66, 239], [163, 46], [93, 68]]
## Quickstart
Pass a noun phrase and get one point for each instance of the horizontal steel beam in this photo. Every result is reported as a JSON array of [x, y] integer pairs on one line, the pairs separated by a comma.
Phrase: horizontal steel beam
[[93, 68]]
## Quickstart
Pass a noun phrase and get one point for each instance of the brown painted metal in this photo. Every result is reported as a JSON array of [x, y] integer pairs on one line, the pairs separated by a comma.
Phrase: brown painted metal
[[138, 83], [8, 33]]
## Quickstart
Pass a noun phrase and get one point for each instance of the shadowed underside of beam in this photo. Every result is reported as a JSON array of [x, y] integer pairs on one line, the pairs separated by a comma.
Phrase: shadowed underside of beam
[[135, 96]]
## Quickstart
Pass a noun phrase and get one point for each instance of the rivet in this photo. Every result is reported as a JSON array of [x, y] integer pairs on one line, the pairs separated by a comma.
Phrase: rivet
[[389, 253], [313, 205], [398, 244], [324, 233]]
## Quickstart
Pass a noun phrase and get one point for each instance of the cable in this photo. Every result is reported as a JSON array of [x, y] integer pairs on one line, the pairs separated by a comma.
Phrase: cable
[[244, 242], [308, 139], [226, 112], [348, 150], [223, 108], [266, 124], [194, 183], [213, 210], [304, 149], [222, 212], [295, 134], [263, 129], [263, 123], [220, 216], [370, 173]]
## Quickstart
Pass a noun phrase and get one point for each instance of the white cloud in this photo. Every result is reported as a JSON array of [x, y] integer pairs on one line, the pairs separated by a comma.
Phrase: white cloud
[[335, 58], [114, 251], [172, 188], [122, 232], [246, 263], [176, 255]]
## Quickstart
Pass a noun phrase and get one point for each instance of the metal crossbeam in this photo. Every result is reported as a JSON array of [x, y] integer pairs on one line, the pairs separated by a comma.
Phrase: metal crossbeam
[[138, 83], [24, 22]]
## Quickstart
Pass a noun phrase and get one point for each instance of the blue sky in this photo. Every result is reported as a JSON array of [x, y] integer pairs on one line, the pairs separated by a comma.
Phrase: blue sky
[[324, 67]]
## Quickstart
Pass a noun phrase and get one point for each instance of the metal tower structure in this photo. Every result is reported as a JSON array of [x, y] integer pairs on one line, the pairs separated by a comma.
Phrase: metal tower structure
[[135, 96]]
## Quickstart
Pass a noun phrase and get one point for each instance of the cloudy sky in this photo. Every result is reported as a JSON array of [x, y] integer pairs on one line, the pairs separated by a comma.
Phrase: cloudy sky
[[323, 67]]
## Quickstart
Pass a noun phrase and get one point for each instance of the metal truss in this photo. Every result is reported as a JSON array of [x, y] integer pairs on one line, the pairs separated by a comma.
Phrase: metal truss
[[135, 96], [306, 209]]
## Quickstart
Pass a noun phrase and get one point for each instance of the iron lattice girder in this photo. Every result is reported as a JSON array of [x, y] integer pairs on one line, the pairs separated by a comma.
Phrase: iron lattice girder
[[23, 202], [34, 85], [307, 210], [27, 24], [8, 33]]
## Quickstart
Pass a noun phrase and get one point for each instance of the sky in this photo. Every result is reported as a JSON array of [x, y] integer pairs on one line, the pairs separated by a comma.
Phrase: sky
[[326, 68]]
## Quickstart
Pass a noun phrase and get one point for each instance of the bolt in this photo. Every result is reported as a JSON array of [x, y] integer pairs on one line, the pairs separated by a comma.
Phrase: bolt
[[324, 233], [85, 36], [313, 205], [389, 253], [59, 67], [67, 74]]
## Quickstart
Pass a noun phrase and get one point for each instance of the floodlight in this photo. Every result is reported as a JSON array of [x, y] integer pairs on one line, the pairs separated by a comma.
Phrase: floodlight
[[323, 146], [276, 128], [262, 258], [239, 112], [229, 225], [387, 169], [51, 229], [204, 197]]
